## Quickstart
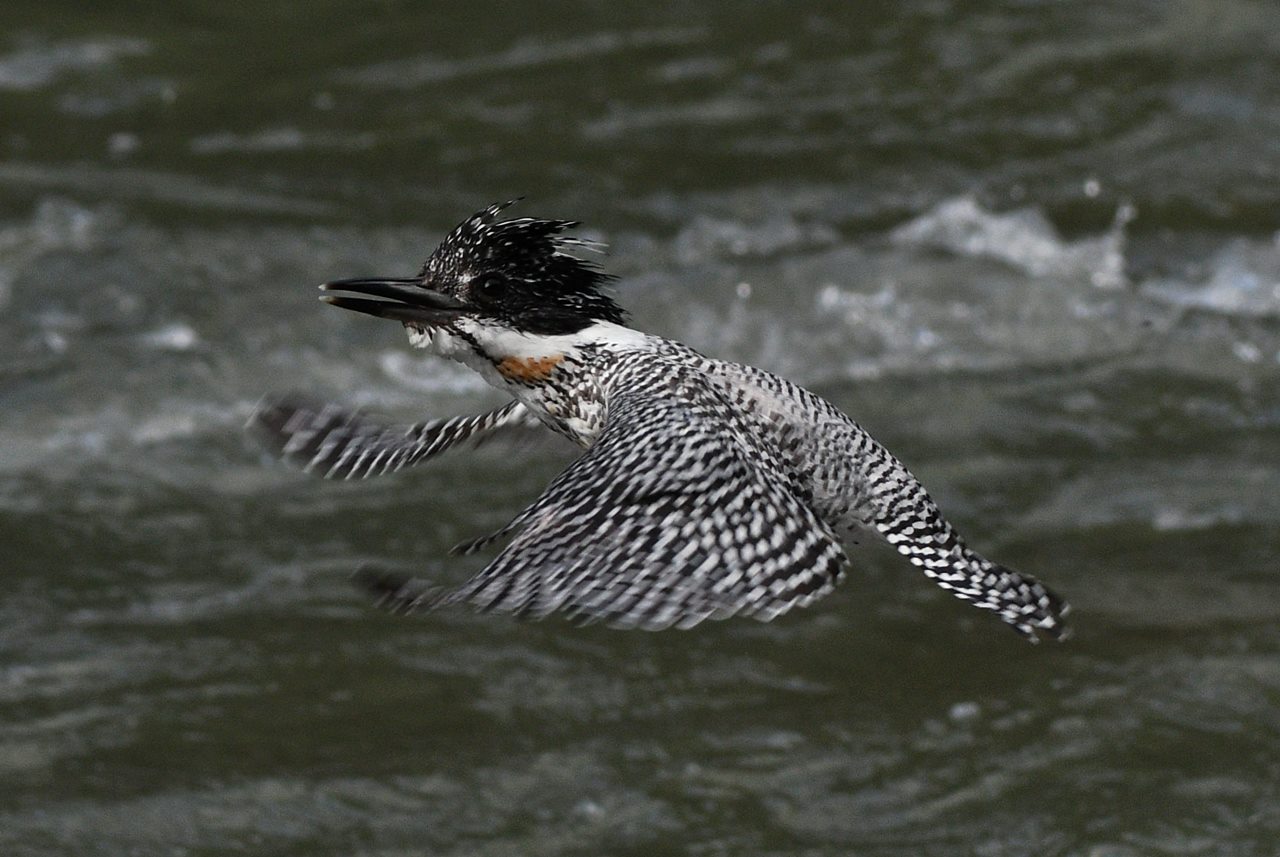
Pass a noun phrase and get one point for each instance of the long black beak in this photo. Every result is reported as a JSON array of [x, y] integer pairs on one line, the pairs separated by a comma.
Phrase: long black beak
[[402, 299]]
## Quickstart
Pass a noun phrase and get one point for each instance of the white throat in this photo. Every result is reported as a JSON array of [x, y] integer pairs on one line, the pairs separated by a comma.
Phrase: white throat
[[551, 374], [496, 342]]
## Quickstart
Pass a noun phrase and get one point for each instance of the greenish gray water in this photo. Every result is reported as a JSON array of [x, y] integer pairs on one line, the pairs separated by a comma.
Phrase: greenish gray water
[[1032, 246]]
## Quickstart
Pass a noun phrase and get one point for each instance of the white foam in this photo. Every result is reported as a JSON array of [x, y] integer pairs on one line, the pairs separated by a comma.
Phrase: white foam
[[1023, 239], [1244, 279]]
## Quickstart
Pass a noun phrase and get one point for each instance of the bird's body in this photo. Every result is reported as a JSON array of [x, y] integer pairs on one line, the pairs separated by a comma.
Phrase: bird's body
[[706, 488]]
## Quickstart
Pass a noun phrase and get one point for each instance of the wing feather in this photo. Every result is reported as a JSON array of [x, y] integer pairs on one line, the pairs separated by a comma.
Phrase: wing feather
[[674, 515], [340, 444]]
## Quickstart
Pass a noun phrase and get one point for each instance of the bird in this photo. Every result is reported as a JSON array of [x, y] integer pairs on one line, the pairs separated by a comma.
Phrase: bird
[[704, 488]]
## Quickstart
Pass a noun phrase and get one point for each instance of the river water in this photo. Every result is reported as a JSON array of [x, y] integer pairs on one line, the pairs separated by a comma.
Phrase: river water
[[1031, 246]]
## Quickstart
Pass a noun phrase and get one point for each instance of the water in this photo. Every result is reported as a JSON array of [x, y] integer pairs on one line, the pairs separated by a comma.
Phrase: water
[[1033, 247]]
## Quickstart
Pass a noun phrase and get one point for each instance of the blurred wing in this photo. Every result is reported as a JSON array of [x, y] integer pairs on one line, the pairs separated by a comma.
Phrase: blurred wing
[[672, 516], [341, 444]]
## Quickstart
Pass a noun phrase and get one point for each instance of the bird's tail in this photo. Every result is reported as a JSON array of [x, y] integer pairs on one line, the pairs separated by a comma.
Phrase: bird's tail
[[909, 520], [1030, 607]]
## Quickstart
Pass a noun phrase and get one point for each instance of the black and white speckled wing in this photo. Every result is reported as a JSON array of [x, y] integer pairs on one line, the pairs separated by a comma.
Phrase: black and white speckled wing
[[857, 484], [674, 515], [340, 444], [908, 518]]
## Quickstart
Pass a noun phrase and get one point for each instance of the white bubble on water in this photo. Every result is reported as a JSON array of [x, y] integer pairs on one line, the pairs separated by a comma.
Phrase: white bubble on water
[[172, 337]]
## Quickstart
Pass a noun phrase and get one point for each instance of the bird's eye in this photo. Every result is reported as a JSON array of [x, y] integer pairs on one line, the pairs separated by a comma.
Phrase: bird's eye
[[488, 289]]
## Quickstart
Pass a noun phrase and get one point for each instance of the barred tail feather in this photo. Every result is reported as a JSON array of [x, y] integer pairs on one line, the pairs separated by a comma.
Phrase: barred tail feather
[[909, 520]]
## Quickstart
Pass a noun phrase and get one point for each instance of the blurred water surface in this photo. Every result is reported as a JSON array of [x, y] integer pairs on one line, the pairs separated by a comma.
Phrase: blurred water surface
[[1031, 246]]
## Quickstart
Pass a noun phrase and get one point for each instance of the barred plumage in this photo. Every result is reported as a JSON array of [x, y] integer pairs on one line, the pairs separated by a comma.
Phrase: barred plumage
[[706, 489], [339, 444]]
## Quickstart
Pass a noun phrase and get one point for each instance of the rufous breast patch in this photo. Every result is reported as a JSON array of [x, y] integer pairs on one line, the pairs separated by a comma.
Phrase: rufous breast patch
[[529, 370]]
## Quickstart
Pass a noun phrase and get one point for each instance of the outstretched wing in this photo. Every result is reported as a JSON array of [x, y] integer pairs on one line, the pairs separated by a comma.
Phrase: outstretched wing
[[907, 517], [674, 515], [341, 444]]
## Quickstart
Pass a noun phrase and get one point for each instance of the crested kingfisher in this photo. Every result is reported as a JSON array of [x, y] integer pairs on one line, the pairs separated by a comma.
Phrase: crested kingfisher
[[705, 488]]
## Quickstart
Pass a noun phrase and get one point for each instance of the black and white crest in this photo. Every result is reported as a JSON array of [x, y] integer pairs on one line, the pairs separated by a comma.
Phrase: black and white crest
[[523, 272]]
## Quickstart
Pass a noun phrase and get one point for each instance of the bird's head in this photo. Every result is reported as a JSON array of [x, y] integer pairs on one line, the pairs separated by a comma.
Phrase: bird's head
[[487, 280]]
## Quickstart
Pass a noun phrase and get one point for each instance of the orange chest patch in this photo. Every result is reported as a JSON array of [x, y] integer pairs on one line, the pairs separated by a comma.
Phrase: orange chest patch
[[529, 369]]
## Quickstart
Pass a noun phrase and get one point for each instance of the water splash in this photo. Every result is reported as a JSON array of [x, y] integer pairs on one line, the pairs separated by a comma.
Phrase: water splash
[[1023, 239], [1243, 280]]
